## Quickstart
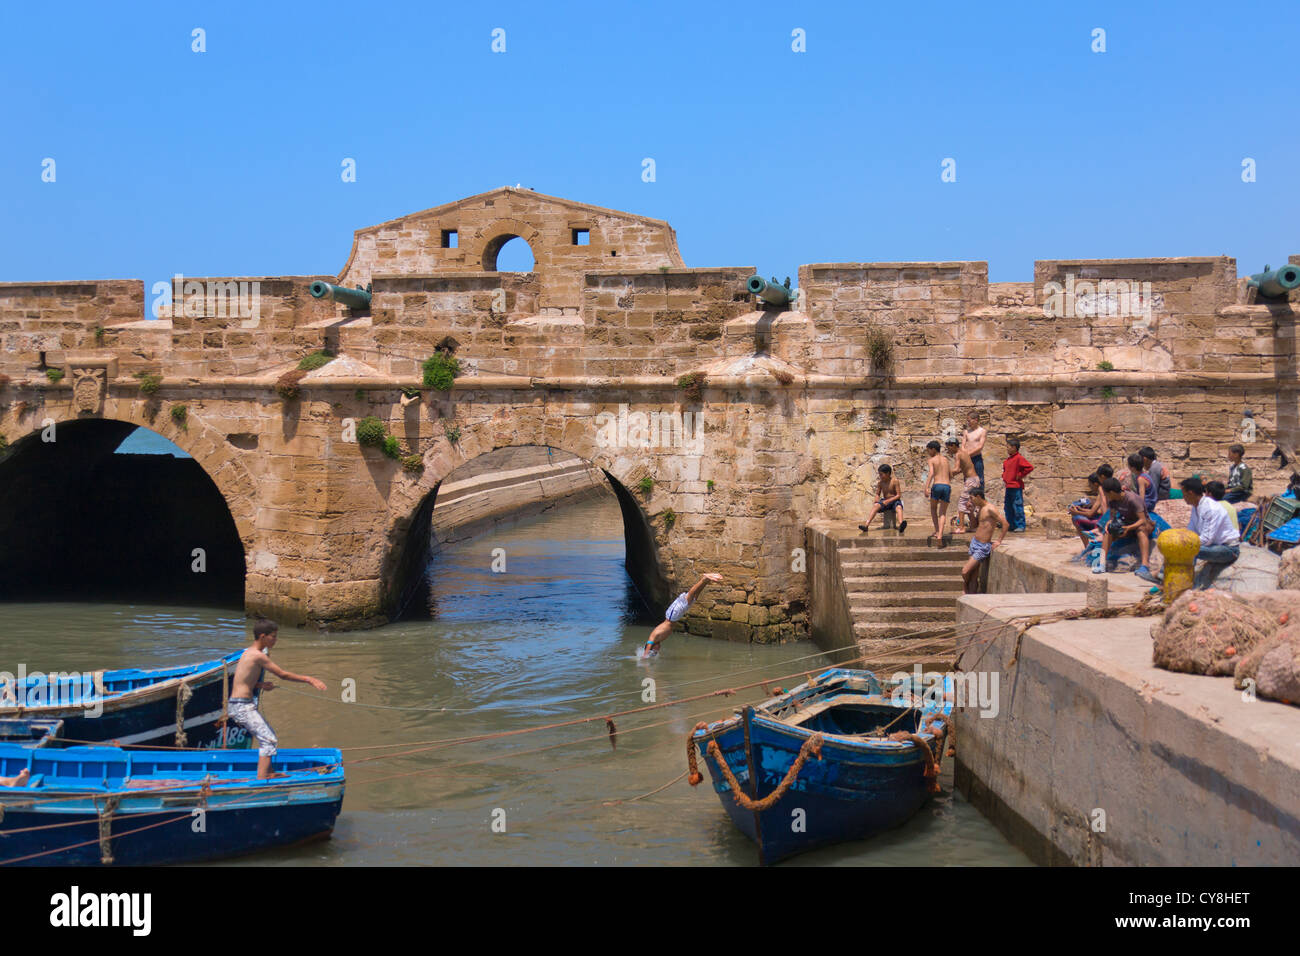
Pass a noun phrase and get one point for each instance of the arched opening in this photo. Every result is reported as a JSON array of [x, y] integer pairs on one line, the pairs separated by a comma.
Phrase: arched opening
[[516, 484], [508, 253], [100, 509]]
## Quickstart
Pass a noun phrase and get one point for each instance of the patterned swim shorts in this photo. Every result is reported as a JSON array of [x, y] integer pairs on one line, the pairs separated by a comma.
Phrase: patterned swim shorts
[[964, 502], [677, 608], [243, 711], [979, 550]]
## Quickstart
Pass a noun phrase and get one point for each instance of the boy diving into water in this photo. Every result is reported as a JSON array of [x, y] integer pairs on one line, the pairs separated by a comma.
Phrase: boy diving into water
[[675, 612]]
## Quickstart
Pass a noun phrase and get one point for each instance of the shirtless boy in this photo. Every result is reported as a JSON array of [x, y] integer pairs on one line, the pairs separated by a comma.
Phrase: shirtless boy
[[982, 543], [252, 667], [970, 481], [972, 443], [938, 488], [889, 494], [675, 612]]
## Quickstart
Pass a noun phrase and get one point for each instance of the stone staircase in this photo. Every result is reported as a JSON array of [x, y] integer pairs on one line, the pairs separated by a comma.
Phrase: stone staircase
[[883, 594], [900, 589]]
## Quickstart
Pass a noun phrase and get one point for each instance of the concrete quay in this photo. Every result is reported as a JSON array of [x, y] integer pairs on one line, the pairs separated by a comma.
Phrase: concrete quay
[[1096, 757]]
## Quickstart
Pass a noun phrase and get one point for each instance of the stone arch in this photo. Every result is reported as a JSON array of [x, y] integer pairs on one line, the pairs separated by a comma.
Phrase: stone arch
[[487, 242], [411, 510], [96, 437]]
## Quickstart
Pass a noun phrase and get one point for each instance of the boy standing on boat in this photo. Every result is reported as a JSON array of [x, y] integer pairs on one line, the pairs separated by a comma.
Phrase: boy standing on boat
[[675, 612], [981, 543], [252, 667]]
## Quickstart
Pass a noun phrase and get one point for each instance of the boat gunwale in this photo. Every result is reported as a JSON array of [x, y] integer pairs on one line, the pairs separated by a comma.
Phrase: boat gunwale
[[201, 674], [831, 682]]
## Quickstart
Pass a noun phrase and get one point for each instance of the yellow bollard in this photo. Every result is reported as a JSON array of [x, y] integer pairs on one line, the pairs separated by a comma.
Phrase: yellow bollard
[[1179, 547]]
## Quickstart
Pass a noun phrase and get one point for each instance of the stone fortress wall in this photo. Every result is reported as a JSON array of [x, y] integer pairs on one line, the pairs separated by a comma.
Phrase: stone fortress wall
[[800, 407]]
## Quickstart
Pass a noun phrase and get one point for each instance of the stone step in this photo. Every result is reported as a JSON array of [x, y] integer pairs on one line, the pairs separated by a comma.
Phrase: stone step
[[886, 657], [912, 569], [901, 556], [916, 631], [894, 598], [887, 615], [884, 584], [889, 542]]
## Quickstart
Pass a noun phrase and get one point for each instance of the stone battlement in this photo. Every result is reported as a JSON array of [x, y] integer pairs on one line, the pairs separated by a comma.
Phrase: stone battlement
[[1091, 360]]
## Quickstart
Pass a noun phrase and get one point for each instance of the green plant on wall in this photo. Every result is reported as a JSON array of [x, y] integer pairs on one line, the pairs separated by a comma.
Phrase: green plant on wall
[[440, 370], [452, 432], [149, 383], [99, 335], [1107, 392], [314, 360], [392, 447], [709, 484], [54, 374], [412, 463], [1105, 366], [180, 415], [646, 485], [370, 431], [670, 519]]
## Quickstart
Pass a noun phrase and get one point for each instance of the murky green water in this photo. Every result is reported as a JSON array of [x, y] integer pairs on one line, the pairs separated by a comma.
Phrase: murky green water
[[551, 639]]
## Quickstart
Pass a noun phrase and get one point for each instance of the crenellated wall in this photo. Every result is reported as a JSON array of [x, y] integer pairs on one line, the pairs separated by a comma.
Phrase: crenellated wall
[[800, 407]]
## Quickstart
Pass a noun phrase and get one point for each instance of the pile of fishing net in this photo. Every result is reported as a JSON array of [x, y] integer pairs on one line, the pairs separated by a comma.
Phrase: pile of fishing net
[[1252, 637]]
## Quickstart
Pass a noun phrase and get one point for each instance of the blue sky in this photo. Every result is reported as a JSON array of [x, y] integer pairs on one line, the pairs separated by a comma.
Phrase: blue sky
[[228, 162]]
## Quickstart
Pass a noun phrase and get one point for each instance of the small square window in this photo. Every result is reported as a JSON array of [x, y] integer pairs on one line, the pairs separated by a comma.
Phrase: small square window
[[582, 237], [449, 238]]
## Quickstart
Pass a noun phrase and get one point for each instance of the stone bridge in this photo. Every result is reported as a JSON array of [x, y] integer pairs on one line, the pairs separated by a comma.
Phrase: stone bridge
[[722, 424]]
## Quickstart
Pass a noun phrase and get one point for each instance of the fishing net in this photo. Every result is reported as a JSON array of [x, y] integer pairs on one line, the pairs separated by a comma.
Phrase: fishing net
[[1288, 570], [1208, 632], [1278, 677], [1247, 668]]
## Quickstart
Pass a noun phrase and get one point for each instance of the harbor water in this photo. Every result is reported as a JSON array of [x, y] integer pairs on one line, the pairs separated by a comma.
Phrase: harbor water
[[549, 635]]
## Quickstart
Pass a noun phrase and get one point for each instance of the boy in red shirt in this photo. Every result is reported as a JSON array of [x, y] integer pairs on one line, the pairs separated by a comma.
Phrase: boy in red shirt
[[1014, 470]]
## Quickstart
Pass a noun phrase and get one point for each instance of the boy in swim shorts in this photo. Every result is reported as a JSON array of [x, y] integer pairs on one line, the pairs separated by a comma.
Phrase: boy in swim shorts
[[252, 667], [889, 494], [970, 480], [938, 488], [676, 611], [981, 543]]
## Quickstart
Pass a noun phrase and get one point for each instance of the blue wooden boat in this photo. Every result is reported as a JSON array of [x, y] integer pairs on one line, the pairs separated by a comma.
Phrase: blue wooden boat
[[838, 758], [166, 706], [91, 806]]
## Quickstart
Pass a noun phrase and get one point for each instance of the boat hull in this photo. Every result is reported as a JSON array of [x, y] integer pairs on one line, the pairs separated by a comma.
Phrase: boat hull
[[858, 788], [847, 795], [95, 806], [229, 833]]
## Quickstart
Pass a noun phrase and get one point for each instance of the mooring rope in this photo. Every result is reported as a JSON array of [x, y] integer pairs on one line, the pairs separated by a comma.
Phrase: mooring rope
[[812, 747]]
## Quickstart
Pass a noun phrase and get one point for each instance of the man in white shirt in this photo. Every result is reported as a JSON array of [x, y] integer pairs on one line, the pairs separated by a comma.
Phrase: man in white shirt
[[1220, 540]]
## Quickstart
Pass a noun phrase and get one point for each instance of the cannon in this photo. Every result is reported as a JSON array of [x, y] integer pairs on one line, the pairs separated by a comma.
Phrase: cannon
[[1274, 283], [357, 298], [770, 292]]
